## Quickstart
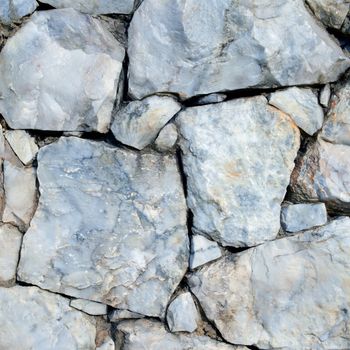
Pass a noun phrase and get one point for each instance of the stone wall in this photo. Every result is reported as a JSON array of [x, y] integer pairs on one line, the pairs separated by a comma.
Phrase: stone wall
[[175, 174]]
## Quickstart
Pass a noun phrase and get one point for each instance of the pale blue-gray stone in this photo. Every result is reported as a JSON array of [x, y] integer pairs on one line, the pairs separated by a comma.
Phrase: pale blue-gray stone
[[13, 10]]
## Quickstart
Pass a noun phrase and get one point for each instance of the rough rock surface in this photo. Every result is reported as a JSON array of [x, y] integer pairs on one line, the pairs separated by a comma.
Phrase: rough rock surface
[[182, 314], [235, 188], [202, 251], [108, 227], [13, 10], [20, 194], [117, 315], [139, 122], [336, 129], [31, 318], [322, 174], [166, 138], [292, 293], [51, 45], [22, 144], [95, 7], [332, 13], [89, 307], [302, 105], [190, 49], [151, 335], [325, 95], [297, 217], [10, 245]]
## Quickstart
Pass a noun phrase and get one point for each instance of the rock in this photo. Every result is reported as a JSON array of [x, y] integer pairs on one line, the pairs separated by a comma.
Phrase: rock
[[89, 307], [23, 145], [167, 138], [10, 243], [107, 345], [212, 98], [336, 128], [20, 195], [151, 335], [322, 175], [202, 251], [13, 10], [187, 49], [182, 314], [31, 318], [108, 227], [325, 95], [139, 122], [116, 315], [293, 293], [332, 13], [95, 7], [235, 188], [302, 105], [297, 217], [37, 94]]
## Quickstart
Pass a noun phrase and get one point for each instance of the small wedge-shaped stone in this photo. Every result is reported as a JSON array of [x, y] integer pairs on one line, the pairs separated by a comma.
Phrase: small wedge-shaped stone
[[95, 7], [31, 318], [151, 335], [110, 226], [292, 293], [13, 10], [191, 48], [60, 71], [238, 157], [10, 245], [336, 129], [89, 307], [302, 105], [203, 250], [167, 138], [323, 175], [139, 122], [332, 13]]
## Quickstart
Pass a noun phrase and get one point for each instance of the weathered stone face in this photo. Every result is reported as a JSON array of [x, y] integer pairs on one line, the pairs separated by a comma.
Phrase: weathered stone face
[[292, 293], [60, 72], [108, 227], [35, 319], [13, 10], [238, 157], [191, 48]]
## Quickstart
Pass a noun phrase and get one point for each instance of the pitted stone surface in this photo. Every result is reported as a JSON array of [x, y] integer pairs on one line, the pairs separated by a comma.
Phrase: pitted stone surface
[[108, 227]]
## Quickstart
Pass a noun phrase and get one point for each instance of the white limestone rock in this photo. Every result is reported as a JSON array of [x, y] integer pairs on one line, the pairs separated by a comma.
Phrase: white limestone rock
[[151, 335], [182, 314], [336, 128], [166, 138], [31, 318], [139, 122], [89, 307], [108, 344], [325, 95], [109, 227], [193, 48], [95, 7], [302, 105], [298, 217], [60, 72], [10, 245], [203, 251], [20, 195], [238, 157], [291, 293], [211, 98], [322, 175], [13, 10], [22, 144], [117, 315]]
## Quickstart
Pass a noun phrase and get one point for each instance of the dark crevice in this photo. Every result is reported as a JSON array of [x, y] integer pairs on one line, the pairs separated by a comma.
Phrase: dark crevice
[[343, 39], [236, 250], [181, 171], [44, 7]]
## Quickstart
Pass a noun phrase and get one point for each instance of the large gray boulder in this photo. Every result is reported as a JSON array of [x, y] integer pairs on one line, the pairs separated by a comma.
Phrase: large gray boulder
[[110, 226], [292, 293], [95, 7], [322, 175], [191, 48], [238, 157], [60, 72], [13, 10], [31, 318]]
